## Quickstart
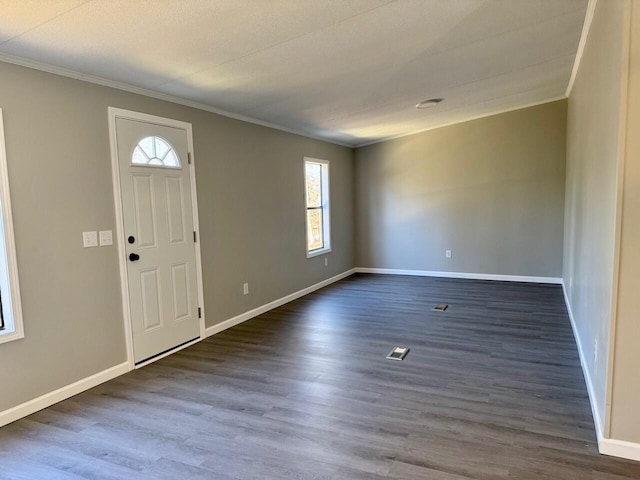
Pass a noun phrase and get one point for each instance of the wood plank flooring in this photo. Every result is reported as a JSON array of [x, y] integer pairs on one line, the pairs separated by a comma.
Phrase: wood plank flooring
[[492, 389]]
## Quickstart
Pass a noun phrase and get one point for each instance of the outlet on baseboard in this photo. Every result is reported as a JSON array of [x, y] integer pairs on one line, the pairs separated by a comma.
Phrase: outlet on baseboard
[[245, 288], [447, 253]]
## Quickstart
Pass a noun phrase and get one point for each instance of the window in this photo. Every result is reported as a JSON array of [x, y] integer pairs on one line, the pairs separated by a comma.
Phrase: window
[[10, 308], [316, 175], [155, 152]]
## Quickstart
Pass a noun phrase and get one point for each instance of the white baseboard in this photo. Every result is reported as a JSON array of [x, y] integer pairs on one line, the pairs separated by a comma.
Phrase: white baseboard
[[606, 446], [472, 276], [63, 393], [48, 399], [585, 371], [620, 448], [243, 317]]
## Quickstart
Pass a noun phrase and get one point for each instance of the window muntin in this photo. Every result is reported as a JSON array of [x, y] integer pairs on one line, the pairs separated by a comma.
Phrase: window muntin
[[317, 206], [155, 152], [10, 305]]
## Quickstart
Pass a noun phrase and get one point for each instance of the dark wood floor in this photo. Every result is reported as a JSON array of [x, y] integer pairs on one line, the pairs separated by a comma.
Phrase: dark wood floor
[[492, 389]]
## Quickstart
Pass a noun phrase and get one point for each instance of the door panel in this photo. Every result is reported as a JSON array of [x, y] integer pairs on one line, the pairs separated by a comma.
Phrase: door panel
[[157, 212], [151, 309], [144, 210], [180, 281], [175, 210]]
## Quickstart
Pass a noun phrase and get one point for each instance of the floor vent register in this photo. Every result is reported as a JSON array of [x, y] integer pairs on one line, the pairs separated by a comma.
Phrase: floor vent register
[[398, 353]]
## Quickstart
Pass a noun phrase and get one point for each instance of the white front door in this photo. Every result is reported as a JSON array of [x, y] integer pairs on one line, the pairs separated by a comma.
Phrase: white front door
[[159, 237]]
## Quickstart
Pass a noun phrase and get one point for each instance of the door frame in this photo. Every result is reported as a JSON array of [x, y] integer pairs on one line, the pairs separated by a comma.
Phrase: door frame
[[114, 114]]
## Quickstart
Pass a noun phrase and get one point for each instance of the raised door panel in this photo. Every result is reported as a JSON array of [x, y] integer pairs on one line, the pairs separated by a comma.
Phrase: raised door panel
[[174, 194], [151, 299], [144, 210], [180, 291]]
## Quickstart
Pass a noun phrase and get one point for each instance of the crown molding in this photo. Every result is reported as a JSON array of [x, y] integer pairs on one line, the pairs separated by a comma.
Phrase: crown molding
[[466, 119], [588, 18], [105, 82]]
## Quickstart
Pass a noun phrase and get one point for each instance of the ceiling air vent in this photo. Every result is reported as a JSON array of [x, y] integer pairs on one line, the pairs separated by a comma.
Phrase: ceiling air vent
[[432, 102]]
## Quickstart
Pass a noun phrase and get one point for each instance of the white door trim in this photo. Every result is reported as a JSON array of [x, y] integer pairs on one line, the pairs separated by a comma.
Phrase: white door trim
[[115, 113]]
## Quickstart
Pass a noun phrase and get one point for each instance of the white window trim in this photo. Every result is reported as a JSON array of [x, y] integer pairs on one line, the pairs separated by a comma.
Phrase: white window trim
[[8, 280], [326, 207]]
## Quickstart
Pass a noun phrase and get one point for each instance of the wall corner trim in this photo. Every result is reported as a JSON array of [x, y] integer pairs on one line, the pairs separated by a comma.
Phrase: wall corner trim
[[586, 26], [469, 276], [243, 317], [51, 398]]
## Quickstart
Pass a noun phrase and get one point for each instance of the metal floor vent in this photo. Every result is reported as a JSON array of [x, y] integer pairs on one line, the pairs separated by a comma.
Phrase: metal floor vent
[[398, 353], [441, 307]]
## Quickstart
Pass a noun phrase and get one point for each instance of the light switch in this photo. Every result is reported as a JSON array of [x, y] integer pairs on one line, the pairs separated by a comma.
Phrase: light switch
[[90, 239], [106, 238]]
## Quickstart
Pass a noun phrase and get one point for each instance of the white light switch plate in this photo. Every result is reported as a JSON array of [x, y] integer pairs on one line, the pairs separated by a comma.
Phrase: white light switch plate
[[106, 238], [90, 239]]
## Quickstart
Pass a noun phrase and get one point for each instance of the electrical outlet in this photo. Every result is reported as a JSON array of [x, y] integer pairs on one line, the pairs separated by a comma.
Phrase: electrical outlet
[[326, 261], [245, 288], [90, 239], [447, 253]]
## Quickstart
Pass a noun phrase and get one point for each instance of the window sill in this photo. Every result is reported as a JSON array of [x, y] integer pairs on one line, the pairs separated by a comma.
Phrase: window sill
[[315, 253]]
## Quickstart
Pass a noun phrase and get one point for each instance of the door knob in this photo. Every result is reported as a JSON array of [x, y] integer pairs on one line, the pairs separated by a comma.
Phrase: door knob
[[134, 257]]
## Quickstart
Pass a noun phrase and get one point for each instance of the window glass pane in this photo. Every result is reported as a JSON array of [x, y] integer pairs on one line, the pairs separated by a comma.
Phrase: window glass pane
[[147, 145], [171, 160], [314, 229], [155, 151], [139, 156], [314, 186], [162, 147]]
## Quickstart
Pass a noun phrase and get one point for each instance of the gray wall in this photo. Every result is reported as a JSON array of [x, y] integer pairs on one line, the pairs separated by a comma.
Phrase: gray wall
[[250, 193], [591, 190], [491, 190], [625, 420]]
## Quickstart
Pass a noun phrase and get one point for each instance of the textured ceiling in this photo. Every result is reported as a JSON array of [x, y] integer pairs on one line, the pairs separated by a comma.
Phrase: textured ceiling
[[349, 71]]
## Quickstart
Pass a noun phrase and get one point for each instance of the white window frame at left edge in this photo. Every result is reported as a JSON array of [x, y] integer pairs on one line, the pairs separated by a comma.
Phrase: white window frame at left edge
[[9, 285]]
